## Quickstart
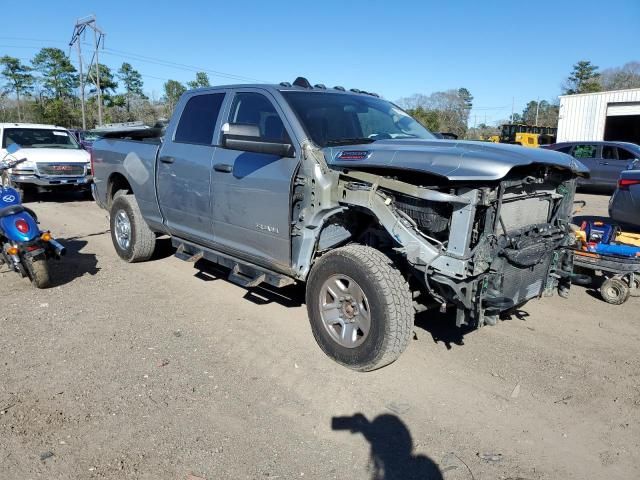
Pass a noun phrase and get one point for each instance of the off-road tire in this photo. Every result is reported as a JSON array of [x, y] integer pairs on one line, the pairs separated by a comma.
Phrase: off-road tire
[[38, 269], [635, 292], [142, 240], [614, 291], [390, 304]]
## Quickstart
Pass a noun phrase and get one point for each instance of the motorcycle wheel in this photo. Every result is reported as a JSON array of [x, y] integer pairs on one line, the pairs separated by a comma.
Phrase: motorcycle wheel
[[38, 269]]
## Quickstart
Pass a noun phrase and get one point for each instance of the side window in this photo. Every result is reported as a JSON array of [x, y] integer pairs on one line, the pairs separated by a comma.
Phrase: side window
[[626, 154], [198, 120], [564, 149], [609, 152], [255, 109], [585, 151]]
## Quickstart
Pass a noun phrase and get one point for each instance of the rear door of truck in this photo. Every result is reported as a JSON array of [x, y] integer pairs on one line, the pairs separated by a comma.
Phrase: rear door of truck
[[185, 165]]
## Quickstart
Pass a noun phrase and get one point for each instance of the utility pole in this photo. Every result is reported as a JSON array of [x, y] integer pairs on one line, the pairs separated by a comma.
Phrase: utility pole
[[84, 116], [513, 106], [98, 39]]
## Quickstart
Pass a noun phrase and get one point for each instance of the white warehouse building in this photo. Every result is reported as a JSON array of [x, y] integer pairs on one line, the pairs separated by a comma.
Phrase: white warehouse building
[[598, 116]]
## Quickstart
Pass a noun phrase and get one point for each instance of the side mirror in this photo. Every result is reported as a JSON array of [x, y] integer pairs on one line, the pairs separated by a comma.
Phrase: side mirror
[[13, 148], [246, 138]]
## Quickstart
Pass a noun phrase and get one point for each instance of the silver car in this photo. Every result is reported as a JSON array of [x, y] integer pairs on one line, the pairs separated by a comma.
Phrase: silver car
[[605, 160], [624, 206]]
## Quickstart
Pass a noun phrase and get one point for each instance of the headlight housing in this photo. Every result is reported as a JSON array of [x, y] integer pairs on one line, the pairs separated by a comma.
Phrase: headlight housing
[[28, 165]]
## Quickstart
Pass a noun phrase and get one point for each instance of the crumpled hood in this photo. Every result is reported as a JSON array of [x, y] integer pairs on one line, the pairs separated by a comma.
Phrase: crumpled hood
[[455, 160], [52, 155]]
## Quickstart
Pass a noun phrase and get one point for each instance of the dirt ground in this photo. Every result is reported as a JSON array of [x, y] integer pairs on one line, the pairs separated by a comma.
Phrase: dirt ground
[[163, 370]]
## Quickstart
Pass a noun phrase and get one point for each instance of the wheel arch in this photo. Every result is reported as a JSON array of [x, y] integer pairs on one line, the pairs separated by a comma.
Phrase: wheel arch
[[336, 229], [117, 182]]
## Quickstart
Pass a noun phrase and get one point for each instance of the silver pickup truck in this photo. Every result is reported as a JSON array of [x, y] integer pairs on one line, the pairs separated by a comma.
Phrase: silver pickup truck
[[346, 192]]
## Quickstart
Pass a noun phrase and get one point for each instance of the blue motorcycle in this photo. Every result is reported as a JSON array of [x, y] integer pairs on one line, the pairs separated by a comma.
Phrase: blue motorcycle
[[24, 247]]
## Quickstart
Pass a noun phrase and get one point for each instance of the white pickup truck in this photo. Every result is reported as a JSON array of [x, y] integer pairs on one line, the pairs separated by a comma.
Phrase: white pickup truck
[[54, 158]]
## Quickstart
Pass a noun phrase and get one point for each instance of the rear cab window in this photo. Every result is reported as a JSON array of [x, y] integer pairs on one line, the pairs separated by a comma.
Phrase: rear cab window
[[198, 120]]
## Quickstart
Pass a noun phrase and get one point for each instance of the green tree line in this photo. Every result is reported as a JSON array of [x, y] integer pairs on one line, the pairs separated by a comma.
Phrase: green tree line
[[47, 90]]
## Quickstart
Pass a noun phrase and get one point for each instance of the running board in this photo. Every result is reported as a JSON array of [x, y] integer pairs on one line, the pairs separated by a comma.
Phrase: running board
[[186, 255], [244, 274], [246, 280]]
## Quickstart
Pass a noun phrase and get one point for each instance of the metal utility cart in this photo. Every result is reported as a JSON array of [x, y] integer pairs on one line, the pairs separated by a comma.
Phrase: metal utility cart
[[622, 275]]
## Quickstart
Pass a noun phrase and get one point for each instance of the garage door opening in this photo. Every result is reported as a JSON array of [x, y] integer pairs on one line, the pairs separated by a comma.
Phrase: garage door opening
[[623, 128]]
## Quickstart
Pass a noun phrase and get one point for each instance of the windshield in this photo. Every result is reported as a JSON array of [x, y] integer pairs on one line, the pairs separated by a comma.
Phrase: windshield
[[39, 138], [337, 119]]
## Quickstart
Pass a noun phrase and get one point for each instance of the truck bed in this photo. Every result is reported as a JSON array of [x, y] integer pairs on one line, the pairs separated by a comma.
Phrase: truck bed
[[133, 155]]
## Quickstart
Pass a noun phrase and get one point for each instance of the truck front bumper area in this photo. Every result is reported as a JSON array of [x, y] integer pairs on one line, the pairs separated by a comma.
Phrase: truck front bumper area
[[509, 283], [52, 181]]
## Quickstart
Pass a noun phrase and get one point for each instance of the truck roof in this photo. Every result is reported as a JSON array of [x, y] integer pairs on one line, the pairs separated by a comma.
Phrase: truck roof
[[300, 84]]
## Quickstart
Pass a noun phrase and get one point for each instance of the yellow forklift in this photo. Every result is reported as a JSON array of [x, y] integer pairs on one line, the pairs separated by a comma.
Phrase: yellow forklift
[[526, 135]]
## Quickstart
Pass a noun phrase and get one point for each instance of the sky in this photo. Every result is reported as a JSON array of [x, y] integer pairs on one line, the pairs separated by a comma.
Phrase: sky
[[504, 53]]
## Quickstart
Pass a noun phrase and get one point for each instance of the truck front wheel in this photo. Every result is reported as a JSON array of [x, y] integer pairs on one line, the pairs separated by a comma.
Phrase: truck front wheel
[[132, 238], [360, 307]]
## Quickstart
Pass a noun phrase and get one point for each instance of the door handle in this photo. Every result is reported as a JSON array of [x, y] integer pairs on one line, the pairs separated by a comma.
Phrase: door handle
[[167, 159], [604, 163], [223, 167]]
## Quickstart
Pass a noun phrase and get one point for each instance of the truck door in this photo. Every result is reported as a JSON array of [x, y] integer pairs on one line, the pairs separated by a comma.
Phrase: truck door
[[185, 166], [252, 191]]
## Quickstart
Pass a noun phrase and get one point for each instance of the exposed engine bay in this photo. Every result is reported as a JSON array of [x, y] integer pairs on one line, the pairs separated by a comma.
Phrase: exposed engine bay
[[481, 249]]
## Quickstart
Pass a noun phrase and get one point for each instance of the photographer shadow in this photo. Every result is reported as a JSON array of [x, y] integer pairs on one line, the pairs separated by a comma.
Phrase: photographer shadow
[[391, 455]]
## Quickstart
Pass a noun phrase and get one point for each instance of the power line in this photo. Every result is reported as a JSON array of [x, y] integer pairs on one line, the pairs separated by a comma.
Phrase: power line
[[142, 58], [179, 66], [23, 39]]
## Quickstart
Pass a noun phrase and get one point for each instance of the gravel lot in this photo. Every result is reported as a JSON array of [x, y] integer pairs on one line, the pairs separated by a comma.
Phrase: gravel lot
[[164, 370]]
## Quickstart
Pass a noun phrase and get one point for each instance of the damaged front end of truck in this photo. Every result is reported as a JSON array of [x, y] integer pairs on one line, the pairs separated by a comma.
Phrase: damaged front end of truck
[[479, 242]]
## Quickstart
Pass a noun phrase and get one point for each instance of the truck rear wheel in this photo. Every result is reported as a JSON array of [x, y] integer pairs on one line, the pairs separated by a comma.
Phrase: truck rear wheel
[[132, 238], [360, 307]]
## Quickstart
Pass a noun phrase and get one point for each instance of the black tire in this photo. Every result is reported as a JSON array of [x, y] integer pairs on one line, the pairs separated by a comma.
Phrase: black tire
[[29, 192], [86, 193], [635, 291], [38, 270], [142, 241], [614, 291], [389, 300]]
